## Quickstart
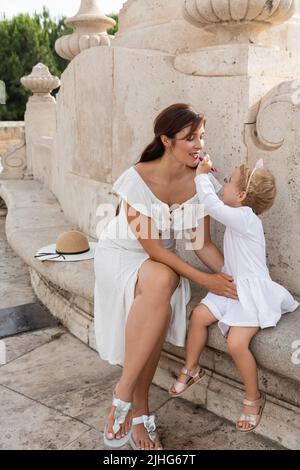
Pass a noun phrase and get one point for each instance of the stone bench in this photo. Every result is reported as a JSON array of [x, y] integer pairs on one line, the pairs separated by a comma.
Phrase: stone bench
[[35, 219]]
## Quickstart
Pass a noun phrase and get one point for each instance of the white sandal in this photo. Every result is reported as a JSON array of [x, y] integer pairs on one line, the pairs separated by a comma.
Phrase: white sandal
[[253, 420], [121, 411], [149, 423], [194, 376]]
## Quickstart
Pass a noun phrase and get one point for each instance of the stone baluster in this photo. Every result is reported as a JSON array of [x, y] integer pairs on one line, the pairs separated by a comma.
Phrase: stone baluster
[[40, 115], [90, 25]]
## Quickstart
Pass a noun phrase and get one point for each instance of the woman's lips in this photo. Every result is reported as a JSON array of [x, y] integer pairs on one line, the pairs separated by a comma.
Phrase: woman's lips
[[195, 155]]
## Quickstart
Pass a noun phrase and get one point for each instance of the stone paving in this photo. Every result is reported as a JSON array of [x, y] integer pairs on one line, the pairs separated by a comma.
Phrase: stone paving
[[55, 391], [15, 287]]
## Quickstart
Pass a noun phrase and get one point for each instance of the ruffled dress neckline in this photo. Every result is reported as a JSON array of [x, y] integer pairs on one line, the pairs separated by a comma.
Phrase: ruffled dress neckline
[[159, 200]]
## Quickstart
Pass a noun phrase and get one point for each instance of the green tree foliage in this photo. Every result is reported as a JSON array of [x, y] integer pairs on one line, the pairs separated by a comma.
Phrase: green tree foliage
[[115, 28], [25, 41]]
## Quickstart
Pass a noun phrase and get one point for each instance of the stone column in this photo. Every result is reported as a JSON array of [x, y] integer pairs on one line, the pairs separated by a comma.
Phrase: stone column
[[90, 25], [40, 115]]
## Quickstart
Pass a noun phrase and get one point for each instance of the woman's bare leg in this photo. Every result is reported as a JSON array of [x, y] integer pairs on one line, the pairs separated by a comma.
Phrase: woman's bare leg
[[146, 324], [201, 319], [238, 342], [141, 397], [141, 393]]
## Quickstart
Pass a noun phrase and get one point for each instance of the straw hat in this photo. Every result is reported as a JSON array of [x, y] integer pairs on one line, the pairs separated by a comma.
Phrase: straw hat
[[69, 246]]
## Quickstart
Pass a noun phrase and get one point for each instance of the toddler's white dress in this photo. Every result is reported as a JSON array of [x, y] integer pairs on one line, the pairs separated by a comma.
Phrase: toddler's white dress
[[119, 256], [261, 301]]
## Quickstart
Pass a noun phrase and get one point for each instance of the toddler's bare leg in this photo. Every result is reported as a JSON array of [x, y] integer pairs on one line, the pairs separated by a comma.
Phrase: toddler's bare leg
[[201, 319], [238, 342]]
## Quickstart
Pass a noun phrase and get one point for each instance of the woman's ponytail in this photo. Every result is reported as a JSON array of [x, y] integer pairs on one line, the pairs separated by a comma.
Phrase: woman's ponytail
[[153, 151]]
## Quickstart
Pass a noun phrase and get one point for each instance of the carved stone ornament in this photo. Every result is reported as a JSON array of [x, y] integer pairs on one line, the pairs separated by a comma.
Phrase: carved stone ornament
[[90, 25], [233, 20], [41, 83]]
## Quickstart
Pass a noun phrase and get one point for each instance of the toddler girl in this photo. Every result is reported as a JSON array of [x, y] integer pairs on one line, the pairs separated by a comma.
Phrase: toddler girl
[[261, 303]]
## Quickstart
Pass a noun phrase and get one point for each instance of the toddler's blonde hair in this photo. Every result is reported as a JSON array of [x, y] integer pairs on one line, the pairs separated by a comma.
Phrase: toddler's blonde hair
[[261, 191]]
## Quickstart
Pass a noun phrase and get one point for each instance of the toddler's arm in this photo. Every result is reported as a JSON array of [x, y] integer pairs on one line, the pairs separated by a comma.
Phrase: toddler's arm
[[233, 217]]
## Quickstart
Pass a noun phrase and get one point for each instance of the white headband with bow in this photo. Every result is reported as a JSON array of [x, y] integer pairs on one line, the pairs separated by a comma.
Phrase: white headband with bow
[[258, 165]]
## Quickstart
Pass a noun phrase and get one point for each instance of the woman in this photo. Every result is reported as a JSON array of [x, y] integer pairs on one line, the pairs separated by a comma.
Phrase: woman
[[142, 285]]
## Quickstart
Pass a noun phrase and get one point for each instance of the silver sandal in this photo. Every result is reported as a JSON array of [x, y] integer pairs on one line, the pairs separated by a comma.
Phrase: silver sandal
[[149, 423], [121, 411], [252, 419], [193, 376]]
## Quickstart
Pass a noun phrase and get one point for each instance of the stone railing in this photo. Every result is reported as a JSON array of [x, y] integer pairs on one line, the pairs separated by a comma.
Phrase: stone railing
[[12, 150]]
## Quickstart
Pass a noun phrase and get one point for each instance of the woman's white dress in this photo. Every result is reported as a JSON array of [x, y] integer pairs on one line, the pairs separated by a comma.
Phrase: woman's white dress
[[261, 301], [119, 256]]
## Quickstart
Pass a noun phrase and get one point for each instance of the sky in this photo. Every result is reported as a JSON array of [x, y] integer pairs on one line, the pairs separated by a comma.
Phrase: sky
[[57, 8]]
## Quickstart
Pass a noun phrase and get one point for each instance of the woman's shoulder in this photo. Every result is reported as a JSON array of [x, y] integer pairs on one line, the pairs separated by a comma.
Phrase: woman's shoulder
[[131, 187], [137, 173], [126, 175], [145, 169]]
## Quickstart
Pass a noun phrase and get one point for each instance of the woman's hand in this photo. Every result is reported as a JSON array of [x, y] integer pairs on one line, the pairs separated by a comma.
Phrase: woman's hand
[[205, 166], [221, 284]]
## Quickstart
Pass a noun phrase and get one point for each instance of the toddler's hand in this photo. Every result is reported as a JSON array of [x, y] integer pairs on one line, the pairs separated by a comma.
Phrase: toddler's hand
[[205, 166]]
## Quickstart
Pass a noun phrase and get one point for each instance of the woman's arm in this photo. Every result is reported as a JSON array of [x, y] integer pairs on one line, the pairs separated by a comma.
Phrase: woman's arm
[[209, 254], [146, 233]]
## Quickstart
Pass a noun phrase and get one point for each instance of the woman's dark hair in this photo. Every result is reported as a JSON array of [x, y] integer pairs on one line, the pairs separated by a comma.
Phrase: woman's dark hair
[[169, 122]]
